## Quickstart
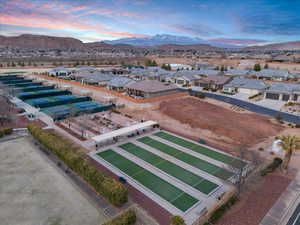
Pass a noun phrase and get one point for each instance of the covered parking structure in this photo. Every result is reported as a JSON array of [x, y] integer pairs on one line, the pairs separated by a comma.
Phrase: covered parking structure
[[114, 136]]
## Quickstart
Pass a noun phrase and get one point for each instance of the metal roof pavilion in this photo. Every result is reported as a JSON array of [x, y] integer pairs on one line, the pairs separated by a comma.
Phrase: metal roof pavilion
[[123, 131]]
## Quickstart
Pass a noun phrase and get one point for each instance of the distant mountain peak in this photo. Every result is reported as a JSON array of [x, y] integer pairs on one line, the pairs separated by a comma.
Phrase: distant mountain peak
[[158, 39]]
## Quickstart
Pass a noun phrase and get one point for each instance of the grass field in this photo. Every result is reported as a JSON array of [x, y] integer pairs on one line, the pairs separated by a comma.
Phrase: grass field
[[187, 158], [202, 150], [199, 183], [165, 190]]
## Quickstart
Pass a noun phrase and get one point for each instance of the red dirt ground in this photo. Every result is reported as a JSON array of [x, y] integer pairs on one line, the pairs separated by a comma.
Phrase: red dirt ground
[[22, 122], [245, 128], [252, 209]]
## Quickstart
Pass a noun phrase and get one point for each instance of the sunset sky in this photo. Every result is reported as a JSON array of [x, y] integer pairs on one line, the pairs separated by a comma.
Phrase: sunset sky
[[231, 21]]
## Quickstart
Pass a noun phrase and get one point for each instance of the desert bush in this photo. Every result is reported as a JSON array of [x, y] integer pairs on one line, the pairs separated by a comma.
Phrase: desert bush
[[271, 167], [126, 218], [177, 220], [75, 158], [7, 131], [216, 216]]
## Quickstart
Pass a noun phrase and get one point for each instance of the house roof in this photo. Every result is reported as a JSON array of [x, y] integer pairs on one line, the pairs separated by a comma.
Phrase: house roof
[[98, 77], [120, 82], [208, 72], [236, 72], [215, 79], [284, 88], [247, 83], [60, 69], [272, 73], [151, 86]]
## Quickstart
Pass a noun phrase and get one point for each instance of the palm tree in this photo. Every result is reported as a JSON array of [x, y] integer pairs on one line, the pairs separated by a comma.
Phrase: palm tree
[[290, 143]]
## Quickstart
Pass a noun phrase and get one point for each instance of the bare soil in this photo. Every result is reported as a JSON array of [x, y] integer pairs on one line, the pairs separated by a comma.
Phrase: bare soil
[[220, 126]]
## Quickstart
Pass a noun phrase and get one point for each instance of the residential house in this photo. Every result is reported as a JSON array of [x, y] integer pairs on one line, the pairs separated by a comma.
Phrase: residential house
[[237, 73], [207, 73], [212, 82], [246, 86], [151, 88], [180, 67], [60, 72], [96, 78], [283, 92], [272, 74], [119, 83]]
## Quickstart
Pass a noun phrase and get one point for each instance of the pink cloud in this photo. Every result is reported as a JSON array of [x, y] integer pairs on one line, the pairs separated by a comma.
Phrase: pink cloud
[[38, 21], [76, 9]]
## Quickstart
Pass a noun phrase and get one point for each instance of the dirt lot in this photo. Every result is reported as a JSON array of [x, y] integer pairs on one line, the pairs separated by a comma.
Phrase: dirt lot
[[216, 123], [33, 191]]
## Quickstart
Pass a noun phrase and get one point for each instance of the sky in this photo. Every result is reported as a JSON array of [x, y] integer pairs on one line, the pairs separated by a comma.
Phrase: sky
[[239, 22]]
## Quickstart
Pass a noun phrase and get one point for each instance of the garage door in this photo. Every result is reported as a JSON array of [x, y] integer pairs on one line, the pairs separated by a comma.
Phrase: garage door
[[272, 96]]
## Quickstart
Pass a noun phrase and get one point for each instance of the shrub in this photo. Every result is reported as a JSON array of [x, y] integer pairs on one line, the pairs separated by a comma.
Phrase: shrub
[[297, 126], [200, 95], [254, 96], [7, 131], [271, 167], [1, 134], [75, 158], [216, 216], [261, 149], [177, 220], [126, 218]]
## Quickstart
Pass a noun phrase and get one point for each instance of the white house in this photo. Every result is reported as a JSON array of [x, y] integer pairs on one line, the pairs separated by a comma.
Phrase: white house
[[60, 72], [283, 92], [180, 67], [246, 86]]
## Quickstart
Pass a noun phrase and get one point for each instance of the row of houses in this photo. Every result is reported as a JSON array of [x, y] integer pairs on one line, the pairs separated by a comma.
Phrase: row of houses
[[155, 81]]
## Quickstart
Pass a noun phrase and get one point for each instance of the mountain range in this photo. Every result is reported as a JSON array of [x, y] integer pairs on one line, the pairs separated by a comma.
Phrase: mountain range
[[165, 39], [157, 42]]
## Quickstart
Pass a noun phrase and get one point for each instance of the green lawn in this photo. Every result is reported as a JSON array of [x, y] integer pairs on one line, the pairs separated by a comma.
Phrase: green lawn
[[202, 150], [203, 185], [165, 190], [187, 158]]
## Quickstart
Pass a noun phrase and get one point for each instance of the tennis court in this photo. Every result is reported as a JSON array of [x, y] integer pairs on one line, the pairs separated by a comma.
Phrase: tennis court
[[199, 183], [187, 158], [44, 93], [202, 150], [165, 190], [33, 88]]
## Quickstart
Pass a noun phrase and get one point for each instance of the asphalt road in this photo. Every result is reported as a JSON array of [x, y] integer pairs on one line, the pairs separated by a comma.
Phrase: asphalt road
[[295, 218], [252, 107]]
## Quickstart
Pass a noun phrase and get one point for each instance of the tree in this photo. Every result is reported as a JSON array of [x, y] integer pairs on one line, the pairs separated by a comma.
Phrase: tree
[[289, 143], [166, 67], [177, 220], [257, 67], [223, 68], [266, 66]]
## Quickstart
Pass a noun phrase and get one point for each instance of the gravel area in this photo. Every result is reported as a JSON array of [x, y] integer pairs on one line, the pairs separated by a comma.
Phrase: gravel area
[[252, 209]]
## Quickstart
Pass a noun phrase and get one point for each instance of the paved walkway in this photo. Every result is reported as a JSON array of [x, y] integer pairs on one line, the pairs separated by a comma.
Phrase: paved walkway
[[280, 213]]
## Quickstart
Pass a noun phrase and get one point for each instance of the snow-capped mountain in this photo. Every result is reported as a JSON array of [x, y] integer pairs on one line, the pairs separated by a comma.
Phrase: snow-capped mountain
[[165, 39], [159, 39]]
